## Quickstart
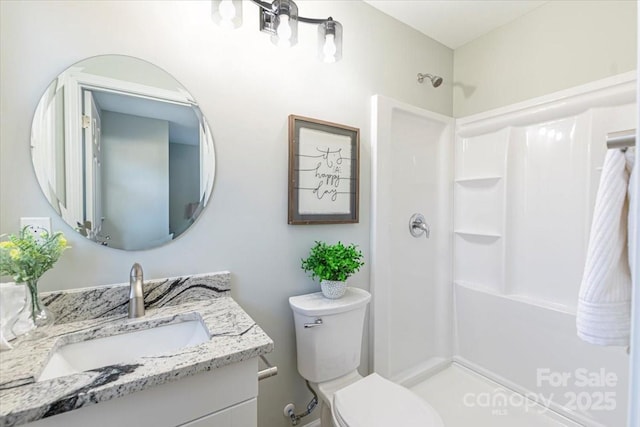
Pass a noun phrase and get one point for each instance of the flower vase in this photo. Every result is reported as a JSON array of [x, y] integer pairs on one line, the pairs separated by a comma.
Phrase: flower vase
[[34, 316]]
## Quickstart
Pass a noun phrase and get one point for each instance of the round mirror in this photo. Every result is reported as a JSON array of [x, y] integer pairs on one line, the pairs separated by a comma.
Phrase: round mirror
[[122, 152]]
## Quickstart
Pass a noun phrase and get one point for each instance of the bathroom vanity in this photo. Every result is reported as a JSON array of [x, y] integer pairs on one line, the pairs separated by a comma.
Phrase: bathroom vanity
[[192, 360]]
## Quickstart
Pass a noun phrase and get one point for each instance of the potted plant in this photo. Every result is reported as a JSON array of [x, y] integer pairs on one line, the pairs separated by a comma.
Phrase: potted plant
[[333, 264]]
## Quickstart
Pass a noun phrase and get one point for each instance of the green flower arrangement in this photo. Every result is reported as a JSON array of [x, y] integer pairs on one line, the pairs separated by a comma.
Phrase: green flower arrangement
[[27, 257], [333, 262]]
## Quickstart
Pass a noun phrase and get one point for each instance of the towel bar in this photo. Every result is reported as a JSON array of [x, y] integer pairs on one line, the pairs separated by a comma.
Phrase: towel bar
[[622, 139], [270, 371]]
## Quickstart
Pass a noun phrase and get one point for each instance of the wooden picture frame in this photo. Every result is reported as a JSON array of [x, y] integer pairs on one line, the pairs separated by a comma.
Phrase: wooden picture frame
[[324, 171]]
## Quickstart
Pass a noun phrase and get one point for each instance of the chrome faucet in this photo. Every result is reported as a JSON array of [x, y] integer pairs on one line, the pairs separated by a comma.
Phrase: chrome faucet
[[136, 294]]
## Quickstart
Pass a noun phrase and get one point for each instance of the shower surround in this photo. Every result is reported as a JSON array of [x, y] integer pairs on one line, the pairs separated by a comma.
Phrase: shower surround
[[509, 195]]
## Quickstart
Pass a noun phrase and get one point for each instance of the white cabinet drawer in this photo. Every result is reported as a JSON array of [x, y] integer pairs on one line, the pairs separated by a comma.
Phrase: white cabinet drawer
[[243, 415]]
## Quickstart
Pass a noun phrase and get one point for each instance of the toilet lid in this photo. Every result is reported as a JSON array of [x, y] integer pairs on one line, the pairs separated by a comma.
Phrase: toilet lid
[[376, 402]]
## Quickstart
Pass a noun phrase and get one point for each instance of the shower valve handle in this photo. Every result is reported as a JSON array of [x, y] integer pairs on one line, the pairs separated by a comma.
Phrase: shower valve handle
[[418, 226]]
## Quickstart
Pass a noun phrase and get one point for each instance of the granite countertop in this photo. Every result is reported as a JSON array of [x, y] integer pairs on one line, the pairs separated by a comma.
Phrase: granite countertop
[[96, 312]]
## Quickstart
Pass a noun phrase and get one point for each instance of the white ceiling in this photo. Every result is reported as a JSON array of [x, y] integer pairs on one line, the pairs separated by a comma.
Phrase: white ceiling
[[455, 22]]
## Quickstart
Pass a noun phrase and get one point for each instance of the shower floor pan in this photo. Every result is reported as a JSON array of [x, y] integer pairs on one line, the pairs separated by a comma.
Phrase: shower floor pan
[[464, 398]]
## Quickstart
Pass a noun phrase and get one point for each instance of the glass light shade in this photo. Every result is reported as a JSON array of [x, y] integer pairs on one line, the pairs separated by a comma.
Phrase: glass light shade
[[227, 13], [330, 41], [286, 23]]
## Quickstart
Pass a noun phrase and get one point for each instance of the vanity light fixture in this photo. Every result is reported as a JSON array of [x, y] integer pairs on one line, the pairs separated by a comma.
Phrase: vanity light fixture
[[280, 19], [227, 13], [330, 41]]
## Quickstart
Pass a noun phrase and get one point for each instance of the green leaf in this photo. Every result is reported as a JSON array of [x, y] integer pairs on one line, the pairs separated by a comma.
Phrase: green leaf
[[332, 262], [26, 258]]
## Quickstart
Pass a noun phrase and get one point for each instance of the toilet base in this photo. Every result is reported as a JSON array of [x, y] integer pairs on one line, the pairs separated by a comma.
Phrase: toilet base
[[326, 418], [325, 393]]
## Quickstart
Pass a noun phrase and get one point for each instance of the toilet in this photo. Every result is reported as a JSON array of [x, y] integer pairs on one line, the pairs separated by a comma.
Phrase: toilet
[[328, 340]]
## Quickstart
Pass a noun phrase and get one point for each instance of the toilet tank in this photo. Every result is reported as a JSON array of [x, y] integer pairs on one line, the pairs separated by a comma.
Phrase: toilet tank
[[329, 347]]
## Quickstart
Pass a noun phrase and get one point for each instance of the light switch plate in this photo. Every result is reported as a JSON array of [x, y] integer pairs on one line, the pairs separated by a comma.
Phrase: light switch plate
[[36, 225]]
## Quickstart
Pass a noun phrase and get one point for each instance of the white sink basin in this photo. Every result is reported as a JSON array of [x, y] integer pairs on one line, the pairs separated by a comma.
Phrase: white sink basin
[[123, 348]]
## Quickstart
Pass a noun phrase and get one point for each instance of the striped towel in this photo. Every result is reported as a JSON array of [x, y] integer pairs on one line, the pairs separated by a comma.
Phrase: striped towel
[[604, 305]]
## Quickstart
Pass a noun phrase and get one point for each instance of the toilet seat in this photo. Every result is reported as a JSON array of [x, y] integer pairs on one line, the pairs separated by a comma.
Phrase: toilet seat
[[376, 402]]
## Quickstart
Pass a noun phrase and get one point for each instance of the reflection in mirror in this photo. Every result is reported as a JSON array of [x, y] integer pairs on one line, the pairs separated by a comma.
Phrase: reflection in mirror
[[122, 152]]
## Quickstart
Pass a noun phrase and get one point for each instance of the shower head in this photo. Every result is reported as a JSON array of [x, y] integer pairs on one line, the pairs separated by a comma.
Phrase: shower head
[[435, 80]]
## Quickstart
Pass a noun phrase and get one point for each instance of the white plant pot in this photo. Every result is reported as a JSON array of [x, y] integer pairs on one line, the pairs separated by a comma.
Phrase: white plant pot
[[333, 289]]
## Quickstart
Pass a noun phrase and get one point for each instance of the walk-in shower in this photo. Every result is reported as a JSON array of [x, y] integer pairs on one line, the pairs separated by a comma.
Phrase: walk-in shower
[[481, 316]]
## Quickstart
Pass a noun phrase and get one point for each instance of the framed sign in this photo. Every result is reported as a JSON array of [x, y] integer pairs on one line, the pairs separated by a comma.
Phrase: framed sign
[[324, 169]]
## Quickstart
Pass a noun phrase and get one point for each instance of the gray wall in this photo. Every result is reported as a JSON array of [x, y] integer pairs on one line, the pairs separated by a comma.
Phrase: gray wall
[[184, 184], [559, 45], [246, 87], [135, 184]]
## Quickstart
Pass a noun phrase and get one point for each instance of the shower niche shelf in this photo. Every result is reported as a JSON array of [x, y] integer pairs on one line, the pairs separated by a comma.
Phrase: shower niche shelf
[[479, 206], [483, 255], [478, 234], [479, 287], [479, 181], [479, 203]]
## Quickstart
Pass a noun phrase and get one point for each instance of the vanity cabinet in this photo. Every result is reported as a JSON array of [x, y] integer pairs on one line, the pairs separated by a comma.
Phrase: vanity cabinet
[[241, 415], [221, 397], [210, 384]]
